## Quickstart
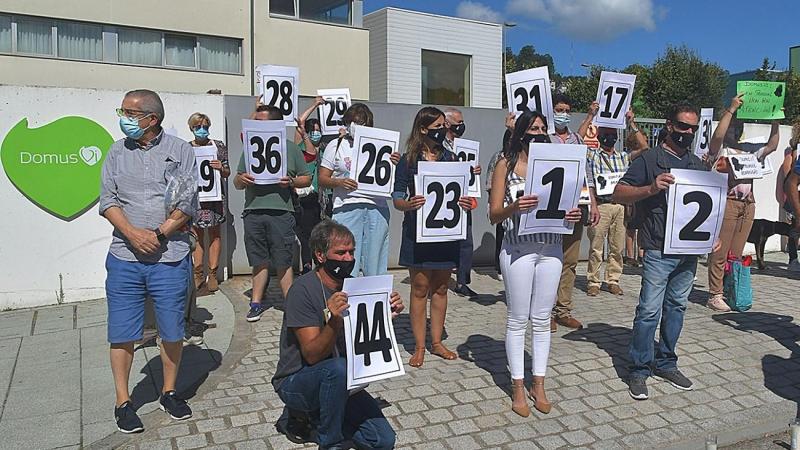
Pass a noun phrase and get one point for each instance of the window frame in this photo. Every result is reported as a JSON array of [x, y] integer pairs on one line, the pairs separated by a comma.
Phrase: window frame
[[468, 84], [110, 37], [296, 16]]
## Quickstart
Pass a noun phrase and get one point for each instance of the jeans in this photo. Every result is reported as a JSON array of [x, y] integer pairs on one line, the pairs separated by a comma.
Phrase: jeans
[[323, 387], [530, 274], [370, 226], [666, 284]]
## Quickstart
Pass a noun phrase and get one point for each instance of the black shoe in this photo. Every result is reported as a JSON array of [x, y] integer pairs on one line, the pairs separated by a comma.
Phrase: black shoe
[[127, 420], [674, 377], [256, 310], [637, 387], [177, 408], [464, 291]]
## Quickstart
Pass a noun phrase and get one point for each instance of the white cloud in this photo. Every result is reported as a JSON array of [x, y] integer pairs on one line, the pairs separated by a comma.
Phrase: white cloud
[[601, 20], [478, 11]]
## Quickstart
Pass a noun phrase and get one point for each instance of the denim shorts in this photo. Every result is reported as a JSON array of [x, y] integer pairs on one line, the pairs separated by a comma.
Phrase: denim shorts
[[128, 283]]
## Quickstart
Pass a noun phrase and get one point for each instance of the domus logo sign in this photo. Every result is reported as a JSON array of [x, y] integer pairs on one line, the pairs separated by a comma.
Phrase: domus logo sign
[[57, 165]]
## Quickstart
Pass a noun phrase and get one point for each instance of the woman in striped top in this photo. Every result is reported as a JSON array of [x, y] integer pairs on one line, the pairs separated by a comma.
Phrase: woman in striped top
[[531, 264]]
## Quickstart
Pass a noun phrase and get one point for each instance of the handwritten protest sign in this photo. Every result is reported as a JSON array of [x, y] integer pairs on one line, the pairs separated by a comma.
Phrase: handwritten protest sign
[[762, 99]]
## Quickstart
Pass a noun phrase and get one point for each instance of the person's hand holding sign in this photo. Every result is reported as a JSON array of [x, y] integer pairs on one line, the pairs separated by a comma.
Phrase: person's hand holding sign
[[347, 183], [216, 164], [465, 203], [574, 215], [416, 202], [661, 183], [593, 108], [525, 203], [396, 304], [337, 305], [736, 103], [243, 180]]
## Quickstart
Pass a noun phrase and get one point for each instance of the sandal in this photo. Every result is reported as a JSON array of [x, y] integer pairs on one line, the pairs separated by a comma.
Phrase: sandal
[[443, 352], [417, 358]]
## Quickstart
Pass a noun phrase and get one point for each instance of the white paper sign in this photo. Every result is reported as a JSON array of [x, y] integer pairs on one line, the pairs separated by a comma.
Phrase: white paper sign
[[614, 94], [766, 165], [372, 352], [695, 209], [209, 187], [332, 111], [469, 151], [744, 166], [371, 166], [703, 138], [265, 150], [530, 90], [604, 183], [278, 87], [441, 218], [556, 174]]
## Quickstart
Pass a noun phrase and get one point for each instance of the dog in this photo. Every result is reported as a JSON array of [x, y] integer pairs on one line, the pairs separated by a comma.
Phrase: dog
[[761, 231]]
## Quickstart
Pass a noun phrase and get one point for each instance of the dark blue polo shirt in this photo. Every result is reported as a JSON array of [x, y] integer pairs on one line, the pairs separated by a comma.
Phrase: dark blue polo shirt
[[651, 212]]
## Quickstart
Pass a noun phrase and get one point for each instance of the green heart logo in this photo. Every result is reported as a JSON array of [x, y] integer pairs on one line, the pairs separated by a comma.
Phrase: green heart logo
[[57, 166]]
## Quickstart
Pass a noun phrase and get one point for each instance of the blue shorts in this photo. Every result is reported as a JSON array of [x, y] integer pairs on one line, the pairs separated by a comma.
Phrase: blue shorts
[[128, 283]]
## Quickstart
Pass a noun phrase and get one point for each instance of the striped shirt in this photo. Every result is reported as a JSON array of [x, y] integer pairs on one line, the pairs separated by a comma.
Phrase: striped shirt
[[135, 179], [600, 162], [515, 184]]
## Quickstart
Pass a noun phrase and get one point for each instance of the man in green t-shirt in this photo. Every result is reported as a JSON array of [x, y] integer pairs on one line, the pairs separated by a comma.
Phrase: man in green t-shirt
[[269, 219]]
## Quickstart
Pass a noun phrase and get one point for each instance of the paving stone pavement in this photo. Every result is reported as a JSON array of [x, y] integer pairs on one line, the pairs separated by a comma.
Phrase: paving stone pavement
[[745, 366], [56, 387]]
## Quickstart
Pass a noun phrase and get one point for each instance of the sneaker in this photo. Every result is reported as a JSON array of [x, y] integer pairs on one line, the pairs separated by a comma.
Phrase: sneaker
[[464, 291], [176, 407], [674, 377], [717, 303], [637, 387], [127, 420], [256, 310], [794, 266]]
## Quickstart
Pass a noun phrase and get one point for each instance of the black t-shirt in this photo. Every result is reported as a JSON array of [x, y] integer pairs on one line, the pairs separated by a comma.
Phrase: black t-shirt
[[305, 303], [651, 212]]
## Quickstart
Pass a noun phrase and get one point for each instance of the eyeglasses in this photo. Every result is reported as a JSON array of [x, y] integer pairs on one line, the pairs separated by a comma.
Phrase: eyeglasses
[[683, 126], [132, 113], [197, 127]]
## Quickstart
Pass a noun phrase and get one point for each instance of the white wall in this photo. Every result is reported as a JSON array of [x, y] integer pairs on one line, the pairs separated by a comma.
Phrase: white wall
[[405, 33], [767, 206], [37, 247]]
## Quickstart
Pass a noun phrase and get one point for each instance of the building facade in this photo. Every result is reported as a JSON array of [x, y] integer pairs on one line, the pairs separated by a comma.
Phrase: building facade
[[421, 58], [183, 46]]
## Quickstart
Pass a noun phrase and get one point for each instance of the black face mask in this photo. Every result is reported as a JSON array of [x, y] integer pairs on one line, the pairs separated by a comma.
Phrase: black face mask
[[338, 269], [437, 134], [459, 129], [607, 140], [537, 138], [682, 140]]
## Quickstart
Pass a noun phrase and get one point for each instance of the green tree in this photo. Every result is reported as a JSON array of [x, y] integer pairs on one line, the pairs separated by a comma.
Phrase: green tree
[[526, 58], [681, 76]]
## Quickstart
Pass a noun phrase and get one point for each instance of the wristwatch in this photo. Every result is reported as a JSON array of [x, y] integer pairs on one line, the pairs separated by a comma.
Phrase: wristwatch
[[160, 236]]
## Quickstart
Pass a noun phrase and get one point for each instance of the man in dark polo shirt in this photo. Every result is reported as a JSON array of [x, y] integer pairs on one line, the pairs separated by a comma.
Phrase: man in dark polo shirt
[[666, 280], [312, 369]]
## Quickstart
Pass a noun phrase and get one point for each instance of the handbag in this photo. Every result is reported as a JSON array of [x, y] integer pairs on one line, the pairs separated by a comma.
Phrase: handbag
[[736, 285]]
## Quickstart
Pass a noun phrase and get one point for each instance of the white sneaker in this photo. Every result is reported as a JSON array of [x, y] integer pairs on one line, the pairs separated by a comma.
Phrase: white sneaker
[[717, 303], [794, 266]]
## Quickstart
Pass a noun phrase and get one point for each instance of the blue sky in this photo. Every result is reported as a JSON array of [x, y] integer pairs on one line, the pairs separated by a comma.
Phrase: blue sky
[[736, 34]]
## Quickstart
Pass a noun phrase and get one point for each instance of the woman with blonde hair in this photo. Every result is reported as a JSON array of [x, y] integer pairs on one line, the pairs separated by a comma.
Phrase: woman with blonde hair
[[211, 214]]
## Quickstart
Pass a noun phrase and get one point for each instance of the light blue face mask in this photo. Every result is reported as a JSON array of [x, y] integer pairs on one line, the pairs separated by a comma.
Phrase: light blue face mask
[[201, 133], [131, 127], [561, 120], [315, 136]]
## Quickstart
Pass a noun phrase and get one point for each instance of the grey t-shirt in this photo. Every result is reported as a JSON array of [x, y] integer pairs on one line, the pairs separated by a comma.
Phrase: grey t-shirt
[[305, 303]]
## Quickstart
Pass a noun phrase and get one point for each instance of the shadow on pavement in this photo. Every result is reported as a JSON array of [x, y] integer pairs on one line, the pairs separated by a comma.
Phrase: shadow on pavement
[[490, 355], [197, 363], [611, 339], [405, 337], [780, 374]]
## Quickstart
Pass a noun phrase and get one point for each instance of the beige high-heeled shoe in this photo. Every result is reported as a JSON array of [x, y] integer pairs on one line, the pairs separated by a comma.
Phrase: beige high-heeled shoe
[[543, 407], [522, 409]]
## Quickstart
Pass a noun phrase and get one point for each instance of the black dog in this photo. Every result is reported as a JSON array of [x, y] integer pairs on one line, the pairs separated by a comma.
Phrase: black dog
[[761, 231]]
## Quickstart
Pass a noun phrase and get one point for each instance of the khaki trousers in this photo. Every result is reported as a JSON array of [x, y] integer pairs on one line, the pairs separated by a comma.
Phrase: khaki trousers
[[611, 226]]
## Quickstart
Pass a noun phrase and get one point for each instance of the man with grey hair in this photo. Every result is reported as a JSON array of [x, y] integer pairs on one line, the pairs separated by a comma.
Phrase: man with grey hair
[[454, 123], [149, 253]]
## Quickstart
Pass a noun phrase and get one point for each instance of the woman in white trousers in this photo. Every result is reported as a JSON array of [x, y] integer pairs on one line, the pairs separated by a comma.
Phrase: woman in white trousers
[[530, 264]]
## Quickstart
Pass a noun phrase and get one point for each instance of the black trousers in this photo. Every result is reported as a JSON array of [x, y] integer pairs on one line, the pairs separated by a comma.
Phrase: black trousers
[[307, 216], [465, 256]]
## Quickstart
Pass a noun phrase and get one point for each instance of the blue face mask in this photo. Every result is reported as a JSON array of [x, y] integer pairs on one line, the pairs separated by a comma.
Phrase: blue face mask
[[131, 127], [201, 133], [315, 136]]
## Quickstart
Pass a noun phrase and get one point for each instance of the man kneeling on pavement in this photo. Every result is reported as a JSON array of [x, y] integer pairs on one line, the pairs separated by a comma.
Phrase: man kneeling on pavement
[[312, 370]]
